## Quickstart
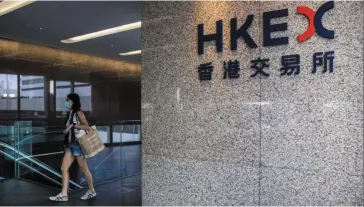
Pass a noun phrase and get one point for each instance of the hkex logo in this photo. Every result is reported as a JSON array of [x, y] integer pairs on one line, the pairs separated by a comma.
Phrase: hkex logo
[[315, 26], [315, 22]]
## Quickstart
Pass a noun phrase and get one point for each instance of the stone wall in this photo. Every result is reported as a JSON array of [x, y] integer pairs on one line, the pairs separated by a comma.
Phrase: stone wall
[[277, 140]]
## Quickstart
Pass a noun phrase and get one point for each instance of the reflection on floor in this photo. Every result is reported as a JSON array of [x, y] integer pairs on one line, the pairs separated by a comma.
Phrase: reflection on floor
[[122, 192], [111, 163], [114, 162]]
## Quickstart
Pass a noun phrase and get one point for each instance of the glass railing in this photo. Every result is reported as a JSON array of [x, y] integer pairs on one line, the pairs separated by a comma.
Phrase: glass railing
[[126, 133], [46, 148], [27, 164], [120, 133], [20, 142], [37, 151], [116, 161]]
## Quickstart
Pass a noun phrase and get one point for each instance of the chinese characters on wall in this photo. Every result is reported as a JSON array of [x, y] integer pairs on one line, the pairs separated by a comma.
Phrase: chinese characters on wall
[[290, 66], [290, 63]]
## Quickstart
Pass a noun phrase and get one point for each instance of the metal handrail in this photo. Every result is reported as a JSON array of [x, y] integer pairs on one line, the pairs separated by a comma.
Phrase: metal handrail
[[41, 155], [35, 161], [30, 168], [30, 156], [34, 135]]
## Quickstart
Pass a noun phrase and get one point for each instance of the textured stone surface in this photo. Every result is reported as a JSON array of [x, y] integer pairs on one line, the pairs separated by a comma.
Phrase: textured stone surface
[[236, 140], [281, 140], [315, 121], [177, 106], [190, 182], [290, 187]]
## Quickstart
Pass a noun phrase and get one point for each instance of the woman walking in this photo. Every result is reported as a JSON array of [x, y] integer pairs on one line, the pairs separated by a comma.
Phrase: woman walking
[[75, 121]]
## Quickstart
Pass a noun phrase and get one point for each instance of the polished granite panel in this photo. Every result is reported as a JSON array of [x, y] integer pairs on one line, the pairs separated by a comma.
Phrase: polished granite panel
[[159, 9], [175, 102], [181, 181], [312, 126], [302, 135], [192, 134], [179, 28], [315, 121], [165, 31], [291, 187]]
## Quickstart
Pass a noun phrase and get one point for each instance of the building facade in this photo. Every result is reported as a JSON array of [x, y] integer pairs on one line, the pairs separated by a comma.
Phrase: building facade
[[252, 103]]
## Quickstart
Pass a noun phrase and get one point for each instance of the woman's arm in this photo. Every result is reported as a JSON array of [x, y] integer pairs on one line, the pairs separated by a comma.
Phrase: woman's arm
[[84, 124]]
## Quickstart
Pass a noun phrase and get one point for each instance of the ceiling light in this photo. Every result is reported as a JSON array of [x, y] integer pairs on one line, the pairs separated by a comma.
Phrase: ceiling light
[[9, 6], [131, 53], [102, 33]]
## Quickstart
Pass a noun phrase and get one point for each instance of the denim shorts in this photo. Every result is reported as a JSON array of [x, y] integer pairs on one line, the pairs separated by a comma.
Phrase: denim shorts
[[74, 149]]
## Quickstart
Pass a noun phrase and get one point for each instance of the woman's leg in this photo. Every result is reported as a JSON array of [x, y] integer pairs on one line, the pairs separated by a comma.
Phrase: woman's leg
[[66, 164], [84, 168]]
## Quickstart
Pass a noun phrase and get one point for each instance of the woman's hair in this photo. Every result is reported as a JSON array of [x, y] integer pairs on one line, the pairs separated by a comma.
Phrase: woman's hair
[[76, 106]]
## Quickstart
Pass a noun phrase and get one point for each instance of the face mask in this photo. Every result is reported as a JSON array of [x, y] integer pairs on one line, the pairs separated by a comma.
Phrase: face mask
[[67, 105]]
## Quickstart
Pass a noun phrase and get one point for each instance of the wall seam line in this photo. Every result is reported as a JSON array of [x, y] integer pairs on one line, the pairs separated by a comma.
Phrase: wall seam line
[[260, 114]]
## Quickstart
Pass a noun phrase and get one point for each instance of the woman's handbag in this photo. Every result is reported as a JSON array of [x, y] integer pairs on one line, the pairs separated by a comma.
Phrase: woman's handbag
[[80, 133], [90, 142]]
